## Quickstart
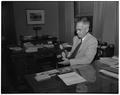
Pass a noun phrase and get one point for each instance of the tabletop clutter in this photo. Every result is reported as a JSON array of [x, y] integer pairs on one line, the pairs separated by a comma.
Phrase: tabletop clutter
[[66, 74]]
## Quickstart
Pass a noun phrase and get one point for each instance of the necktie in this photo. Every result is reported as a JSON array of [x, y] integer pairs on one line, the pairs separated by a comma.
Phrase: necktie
[[75, 50]]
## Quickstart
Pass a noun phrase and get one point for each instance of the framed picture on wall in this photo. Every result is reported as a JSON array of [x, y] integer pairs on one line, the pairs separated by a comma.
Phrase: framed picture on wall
[[35, 17]]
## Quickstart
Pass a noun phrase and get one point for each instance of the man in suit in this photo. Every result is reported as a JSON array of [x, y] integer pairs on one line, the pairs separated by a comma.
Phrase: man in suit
[[83, 52]]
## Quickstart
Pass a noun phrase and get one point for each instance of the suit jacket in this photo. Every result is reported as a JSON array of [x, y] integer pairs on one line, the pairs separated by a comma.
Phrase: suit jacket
[[87, 50], [84, 56]]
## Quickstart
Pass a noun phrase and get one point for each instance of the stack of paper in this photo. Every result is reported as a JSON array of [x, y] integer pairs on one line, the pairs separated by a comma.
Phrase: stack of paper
[[109, 61], [71, 78], [112, 62], [114, 75]]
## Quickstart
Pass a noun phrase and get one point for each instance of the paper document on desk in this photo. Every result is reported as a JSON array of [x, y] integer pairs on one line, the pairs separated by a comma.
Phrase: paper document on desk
[[42, 77], [71, 78], [31, 49], [110, 61]]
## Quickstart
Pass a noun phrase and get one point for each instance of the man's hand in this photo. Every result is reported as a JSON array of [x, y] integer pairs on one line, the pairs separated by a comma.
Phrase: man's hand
[[65, 62]]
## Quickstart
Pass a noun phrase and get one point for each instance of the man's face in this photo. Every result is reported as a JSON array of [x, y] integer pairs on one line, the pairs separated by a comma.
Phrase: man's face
[[82, 29]]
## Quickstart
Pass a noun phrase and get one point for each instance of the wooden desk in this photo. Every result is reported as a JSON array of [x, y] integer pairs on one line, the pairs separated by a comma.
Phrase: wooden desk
[[106, 83], [103, 84], [52, 85], [29, 63]]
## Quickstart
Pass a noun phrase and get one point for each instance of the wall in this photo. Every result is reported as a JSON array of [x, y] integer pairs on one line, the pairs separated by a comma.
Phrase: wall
[[51, 17], [69, 21], [66, 21], [84, 8], [8, 29], [62, 21]]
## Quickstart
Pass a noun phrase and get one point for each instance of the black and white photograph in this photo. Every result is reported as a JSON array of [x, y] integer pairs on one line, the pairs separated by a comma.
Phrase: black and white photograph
[[59, 47], [35, 16]]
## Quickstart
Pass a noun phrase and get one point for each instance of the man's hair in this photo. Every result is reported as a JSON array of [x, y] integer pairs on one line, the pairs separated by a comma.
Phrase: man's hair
[[85, 20]]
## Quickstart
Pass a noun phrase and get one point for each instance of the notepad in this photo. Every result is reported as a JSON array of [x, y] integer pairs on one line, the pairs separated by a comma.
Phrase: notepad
[[71, 78]]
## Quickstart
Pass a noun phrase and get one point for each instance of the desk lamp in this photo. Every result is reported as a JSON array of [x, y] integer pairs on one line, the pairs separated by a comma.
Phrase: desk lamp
[[36, 28]]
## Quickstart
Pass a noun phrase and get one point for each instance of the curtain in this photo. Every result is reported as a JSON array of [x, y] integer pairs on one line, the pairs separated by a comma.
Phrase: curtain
[[97, 19], [105, 22], [117, 30]]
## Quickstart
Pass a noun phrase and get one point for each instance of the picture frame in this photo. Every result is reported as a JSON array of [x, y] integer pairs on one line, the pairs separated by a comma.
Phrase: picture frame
[[35, 17]]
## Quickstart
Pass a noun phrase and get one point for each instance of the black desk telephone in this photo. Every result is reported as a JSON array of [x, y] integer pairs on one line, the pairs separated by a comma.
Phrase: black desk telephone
[[105, 50]]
